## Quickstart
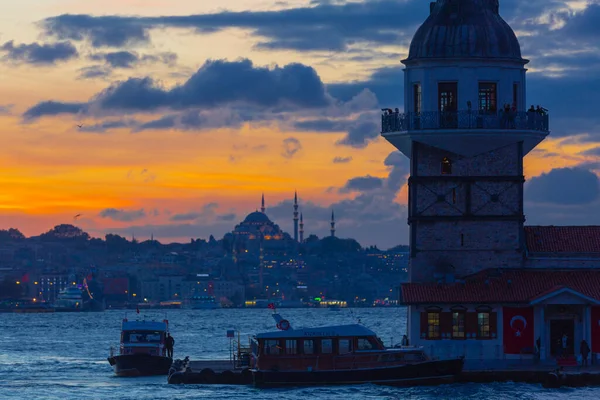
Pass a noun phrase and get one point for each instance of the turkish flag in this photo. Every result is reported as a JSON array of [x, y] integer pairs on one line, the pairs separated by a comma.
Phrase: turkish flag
[[271, 306], [517, 329]]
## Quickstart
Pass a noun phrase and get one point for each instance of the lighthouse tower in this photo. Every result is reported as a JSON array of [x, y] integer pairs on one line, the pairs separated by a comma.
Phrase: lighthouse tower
[[465, 128]]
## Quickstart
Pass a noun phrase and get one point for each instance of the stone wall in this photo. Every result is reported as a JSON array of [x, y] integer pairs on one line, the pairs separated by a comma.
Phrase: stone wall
[[467, 244]]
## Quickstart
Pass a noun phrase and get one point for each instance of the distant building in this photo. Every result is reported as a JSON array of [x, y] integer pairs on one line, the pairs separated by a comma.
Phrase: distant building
[[481, 284]]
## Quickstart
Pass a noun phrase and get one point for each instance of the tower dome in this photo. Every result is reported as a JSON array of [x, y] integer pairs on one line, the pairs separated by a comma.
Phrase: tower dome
[[465, 29]]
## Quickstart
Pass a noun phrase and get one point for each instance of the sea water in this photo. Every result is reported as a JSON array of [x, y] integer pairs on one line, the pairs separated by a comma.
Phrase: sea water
[[63, 356]]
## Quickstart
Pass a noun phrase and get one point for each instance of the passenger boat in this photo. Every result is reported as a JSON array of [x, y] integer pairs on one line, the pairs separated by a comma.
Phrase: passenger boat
[[197, 302], [69, 300], [345, 354], [142, 351]]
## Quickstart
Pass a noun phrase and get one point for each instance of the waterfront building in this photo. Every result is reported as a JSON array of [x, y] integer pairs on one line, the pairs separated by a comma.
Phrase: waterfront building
[[481, 284]]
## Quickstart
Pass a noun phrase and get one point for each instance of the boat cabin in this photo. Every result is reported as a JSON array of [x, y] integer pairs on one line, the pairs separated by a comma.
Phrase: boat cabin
[[147, 337], [327, 348]]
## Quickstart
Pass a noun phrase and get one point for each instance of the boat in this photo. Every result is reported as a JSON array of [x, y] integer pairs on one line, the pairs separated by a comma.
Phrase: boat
[[142, 351], [338, 355], [197, 302], [69, 300]]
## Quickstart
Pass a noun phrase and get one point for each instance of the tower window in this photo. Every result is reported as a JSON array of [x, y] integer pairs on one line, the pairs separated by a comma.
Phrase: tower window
[[447, 96], [516, 96], [446, 166], [487, 97], [417, 97]]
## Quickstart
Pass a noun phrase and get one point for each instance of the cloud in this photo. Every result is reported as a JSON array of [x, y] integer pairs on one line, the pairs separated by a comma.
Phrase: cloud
[[39, 54], [53, 108], [143, 175], [362, 184], [564, 186], [341, 160], [6, 109], [215, 84], [330, 27], [291, 146], [191, 216], [122, 215], [94, 71], [105, 126], [129, 59]]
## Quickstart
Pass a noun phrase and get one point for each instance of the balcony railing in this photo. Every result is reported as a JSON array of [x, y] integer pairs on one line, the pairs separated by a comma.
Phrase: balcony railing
[[436, 120]]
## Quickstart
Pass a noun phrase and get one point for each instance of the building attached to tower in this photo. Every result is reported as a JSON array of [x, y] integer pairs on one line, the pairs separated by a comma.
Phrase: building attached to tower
[[477, 284]]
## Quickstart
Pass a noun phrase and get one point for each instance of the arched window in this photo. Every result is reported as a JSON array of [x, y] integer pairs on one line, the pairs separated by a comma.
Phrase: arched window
[[446, 166]]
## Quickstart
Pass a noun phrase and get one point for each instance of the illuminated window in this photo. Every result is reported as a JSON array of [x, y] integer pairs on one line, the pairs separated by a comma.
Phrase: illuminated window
[[483, 325], [458, 325], [487, 97], [446, 166], [433, 325]]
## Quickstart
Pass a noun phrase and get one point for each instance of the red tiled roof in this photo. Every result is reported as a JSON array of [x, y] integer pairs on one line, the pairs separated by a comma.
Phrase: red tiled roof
[[563, 239], [512, 286]]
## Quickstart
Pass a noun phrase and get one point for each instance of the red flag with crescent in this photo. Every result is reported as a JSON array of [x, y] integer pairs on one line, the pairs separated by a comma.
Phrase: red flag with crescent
[[271, 306], [517, 329]]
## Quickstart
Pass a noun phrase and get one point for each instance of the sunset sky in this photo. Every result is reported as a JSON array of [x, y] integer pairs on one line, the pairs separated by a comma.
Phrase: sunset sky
[[190, 110]]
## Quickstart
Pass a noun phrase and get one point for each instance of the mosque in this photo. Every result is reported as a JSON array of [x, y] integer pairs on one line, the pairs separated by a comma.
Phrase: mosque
[[257, 231]]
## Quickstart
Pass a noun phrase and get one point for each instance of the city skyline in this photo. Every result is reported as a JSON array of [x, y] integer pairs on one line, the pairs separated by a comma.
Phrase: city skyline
[[186, 147]]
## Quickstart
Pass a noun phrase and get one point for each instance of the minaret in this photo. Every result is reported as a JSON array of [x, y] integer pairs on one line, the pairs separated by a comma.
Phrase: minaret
[[332, 224], [295, 216], [465, 199], [262, 206], [301, 229]]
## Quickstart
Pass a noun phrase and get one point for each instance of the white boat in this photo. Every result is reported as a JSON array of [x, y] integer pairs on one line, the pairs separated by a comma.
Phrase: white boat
[[197, 302], [69, 299]]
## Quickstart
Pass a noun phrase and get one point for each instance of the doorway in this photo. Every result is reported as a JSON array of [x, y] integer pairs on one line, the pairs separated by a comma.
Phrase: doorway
[[559, 327]]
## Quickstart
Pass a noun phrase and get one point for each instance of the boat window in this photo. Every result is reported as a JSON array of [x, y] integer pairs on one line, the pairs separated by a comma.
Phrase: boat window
[[344, 346], [142, 337], [291, 346], [458, 325], [309, 346], [365, 344], [326, 346], [272, 347]]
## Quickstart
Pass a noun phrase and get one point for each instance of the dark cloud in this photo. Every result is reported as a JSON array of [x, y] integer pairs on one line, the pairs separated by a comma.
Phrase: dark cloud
[[327, 26], [341, 160], [592, 152], [564, 186], [122, 215], [39, 54], [386, 83], [359, 131], [129, 59], [215, 84], [53, 108], [362, 184], [291, 146]]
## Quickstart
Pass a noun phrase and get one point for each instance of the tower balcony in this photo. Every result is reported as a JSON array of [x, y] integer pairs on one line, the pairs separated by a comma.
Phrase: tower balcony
[[468, 132], [452, 120]]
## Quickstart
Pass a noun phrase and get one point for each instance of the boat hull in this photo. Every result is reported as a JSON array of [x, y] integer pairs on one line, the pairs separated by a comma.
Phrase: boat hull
[[428, 372], [140, 365]]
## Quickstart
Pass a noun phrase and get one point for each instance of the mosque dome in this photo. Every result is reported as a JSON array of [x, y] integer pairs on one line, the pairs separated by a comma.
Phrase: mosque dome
[[464, 29], [257, 217]]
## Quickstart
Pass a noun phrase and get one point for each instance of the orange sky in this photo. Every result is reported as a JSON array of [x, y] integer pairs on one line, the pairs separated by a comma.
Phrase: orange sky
[[50, 171]]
